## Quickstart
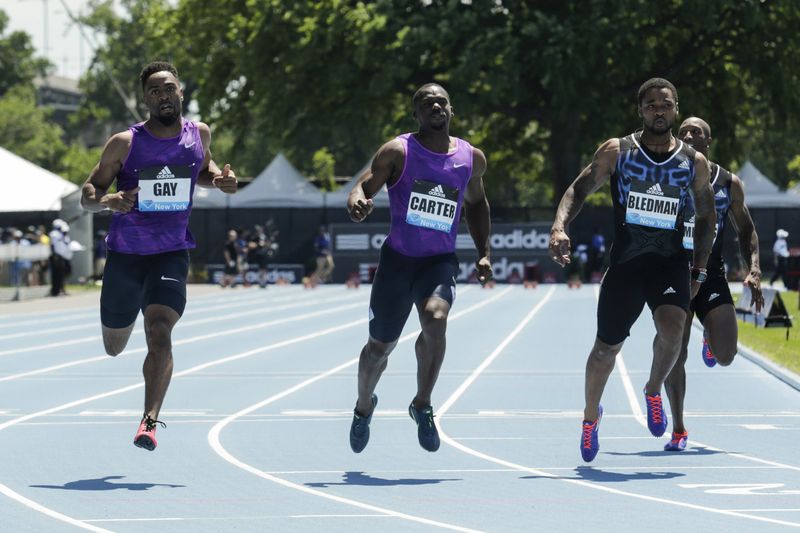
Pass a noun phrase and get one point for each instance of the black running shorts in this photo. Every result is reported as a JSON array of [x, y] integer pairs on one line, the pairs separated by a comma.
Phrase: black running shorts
[[132, 282], [713, 292], [626, 287], [402, 281]]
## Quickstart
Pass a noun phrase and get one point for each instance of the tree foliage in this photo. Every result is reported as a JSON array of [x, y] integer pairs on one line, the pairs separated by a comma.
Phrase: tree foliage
[[536, 84], [17, 62]]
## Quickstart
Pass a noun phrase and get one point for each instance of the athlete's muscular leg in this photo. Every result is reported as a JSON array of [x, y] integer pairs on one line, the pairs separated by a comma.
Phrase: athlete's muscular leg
[[115, 339], [158, 323], [723, 333], [598, 367], [675, 384], [371, 364], [430, 347], [669, 321]]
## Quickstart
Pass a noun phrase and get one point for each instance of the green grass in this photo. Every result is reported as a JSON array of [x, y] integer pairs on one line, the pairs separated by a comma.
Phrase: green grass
[[772, 342]]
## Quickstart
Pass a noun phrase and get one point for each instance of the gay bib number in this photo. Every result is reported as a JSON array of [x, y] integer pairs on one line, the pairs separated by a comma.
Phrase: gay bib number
[[164, 188], [432, 206]]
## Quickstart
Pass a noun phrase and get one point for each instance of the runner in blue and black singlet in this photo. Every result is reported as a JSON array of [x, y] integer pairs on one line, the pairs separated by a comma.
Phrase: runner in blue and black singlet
[[713, 303], [652, 176], [156, 165]]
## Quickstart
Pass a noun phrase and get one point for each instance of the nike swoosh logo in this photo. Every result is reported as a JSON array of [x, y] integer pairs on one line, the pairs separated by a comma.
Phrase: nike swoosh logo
[[190, 145], [459, 165], [164, 278]]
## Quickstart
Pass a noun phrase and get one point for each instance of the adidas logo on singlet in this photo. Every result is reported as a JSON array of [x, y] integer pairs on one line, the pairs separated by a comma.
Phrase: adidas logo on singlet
[[684, 164], [720, 194], [655, 189], [165, 174], [437, 191]]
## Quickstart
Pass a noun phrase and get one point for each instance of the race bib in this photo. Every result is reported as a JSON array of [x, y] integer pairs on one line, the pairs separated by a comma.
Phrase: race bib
[[432, 206], [164, 188], [688, 233], [654, 205]]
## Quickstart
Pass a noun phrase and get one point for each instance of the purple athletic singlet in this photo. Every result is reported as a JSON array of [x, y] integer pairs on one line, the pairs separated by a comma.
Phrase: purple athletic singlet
[[166, 170], [426, 201]]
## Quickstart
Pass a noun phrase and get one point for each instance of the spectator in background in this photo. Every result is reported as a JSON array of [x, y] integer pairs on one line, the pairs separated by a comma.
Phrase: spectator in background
[[781, 251], [60, 266], [231, 255], [20, 268], [597, 251], [322, 249], [257, 251]]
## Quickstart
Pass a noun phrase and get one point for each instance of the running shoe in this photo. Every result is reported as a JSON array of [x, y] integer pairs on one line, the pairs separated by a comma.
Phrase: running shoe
[[590, 444], [359, 428], [427, 434], [656, 417], [146, 436], [678, 442], [708, 357]]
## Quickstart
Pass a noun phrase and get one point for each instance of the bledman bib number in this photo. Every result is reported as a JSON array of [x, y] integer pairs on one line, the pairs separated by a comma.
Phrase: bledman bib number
[[164, 188], [654, 205], [432, 206]]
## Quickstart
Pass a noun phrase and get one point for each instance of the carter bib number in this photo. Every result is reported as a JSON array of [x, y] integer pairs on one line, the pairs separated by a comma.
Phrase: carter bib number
[[164, 188], [654, 205], [432, 206]]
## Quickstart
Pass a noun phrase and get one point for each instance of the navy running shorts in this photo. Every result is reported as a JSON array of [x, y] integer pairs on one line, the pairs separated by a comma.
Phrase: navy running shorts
[[626, 287], [132, 282], [401, 282], [713, 292]]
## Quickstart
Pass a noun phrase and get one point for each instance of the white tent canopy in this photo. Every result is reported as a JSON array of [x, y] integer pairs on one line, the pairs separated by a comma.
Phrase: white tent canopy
[[278, 185], [339, 196], [28, 187], [760, 191]]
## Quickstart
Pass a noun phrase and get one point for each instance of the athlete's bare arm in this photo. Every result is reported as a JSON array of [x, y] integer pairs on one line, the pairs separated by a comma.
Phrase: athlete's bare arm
[[211, 176], [476, 211], [94, 193], [387, 165], [748, 241], [705, 213], [591, 178]]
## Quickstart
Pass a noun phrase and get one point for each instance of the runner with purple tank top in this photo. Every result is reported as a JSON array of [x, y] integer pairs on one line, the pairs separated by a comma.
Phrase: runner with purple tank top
[[430, 177], [156, 164]]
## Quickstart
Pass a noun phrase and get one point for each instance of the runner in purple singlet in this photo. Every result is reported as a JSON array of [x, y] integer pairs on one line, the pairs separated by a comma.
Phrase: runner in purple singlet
[[430, 176], [156, 165]]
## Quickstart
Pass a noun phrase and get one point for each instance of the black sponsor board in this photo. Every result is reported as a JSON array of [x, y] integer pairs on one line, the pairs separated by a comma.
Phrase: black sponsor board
[[518, 251], [288, 272]]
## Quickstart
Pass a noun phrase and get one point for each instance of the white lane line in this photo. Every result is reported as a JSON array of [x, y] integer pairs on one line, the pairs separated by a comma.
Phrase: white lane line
[[214, 440], [190, 312], [139, 330], [542, 473], [189, 340], [46, 511], [633, 401], [486, 362], [54, 514]]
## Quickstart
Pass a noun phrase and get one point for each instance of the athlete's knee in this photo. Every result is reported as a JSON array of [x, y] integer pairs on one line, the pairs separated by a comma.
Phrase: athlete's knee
[[159, 333], [113, 348], [377, 351], [725, 355], [434, 321], [605, 352]]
